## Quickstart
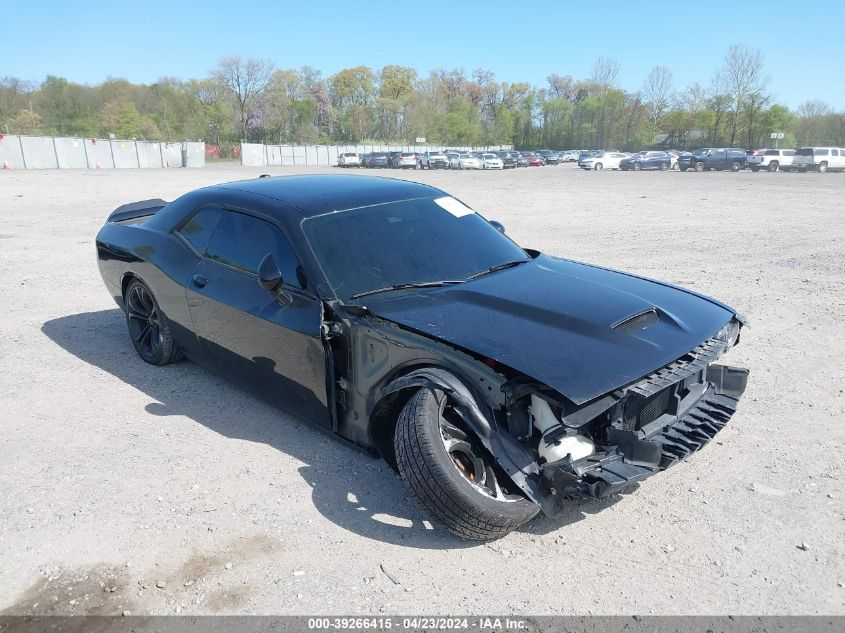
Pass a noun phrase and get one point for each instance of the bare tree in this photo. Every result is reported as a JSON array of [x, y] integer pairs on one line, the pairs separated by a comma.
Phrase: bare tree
[[246, 79], [657, 94], [742, 74]]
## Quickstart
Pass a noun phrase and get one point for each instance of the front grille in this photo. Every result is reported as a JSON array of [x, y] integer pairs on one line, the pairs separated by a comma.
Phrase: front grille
[[641, 410]]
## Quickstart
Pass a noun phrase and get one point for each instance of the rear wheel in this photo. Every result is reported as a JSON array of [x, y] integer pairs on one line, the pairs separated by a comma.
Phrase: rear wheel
[[664, 166], [735, 166], [773, 166], [755, 169], [451, 475], [149, 328]]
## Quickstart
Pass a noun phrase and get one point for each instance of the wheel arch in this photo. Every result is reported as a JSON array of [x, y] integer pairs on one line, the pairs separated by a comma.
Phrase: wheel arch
[[394, 395]]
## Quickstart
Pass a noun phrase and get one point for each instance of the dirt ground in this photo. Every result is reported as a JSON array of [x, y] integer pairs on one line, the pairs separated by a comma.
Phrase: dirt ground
[[125, 487]]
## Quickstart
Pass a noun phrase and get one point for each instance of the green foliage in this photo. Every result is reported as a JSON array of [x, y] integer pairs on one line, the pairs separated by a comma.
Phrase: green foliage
[[248, 99]]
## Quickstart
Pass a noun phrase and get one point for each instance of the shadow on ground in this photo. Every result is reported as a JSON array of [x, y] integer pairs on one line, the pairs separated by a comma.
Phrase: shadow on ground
[[349, 488]]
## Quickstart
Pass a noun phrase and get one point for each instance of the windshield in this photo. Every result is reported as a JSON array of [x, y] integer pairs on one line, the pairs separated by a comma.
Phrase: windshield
[[490, 156], [412, 241]]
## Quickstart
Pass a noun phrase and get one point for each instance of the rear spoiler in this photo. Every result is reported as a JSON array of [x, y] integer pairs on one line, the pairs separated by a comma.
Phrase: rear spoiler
[[138, 209]]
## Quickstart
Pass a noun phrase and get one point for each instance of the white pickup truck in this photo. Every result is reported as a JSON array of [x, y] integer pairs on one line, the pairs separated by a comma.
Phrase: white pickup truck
[[771, 159]]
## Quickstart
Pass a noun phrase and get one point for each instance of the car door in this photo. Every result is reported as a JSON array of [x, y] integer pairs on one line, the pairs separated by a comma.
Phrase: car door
[[271, 347]]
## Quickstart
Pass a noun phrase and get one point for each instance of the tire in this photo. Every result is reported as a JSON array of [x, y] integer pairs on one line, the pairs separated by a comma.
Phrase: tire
[[822, 168], [437, 482], [682, 168], [149, 329], [598, 167], [699, 166], [755, 169], [636, 167], [663, 166], [773, 166], [735, 166]]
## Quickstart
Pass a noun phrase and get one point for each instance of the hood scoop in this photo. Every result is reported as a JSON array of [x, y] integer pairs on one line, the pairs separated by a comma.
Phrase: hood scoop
[[637, 322]]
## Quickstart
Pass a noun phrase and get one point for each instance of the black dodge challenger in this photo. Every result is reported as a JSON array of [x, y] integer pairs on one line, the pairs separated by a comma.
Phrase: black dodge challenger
[[498, 381]]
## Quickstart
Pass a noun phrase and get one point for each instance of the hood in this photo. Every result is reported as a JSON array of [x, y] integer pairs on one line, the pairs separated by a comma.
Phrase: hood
[[553, 320]]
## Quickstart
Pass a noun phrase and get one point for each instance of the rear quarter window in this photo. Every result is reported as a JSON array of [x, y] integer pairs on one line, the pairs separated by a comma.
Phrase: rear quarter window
[[197, 230], [821, 152]]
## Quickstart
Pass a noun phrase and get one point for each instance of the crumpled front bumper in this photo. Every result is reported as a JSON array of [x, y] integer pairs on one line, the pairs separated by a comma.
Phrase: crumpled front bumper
[[635, 455]]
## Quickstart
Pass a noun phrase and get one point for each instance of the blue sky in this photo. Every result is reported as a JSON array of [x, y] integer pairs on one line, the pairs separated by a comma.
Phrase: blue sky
[[85, 41]]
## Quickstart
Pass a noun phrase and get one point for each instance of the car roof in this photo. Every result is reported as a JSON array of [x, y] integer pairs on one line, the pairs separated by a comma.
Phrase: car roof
[[322, 193]]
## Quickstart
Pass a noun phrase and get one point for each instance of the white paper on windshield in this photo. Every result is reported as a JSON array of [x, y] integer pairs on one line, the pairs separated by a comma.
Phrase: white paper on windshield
[[456, 208]]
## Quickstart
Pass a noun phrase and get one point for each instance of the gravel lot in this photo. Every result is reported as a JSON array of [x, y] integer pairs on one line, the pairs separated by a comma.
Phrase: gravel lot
[[125, 487]]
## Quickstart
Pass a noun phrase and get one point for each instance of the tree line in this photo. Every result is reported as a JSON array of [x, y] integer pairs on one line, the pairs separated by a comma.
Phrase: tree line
[[251, 100]]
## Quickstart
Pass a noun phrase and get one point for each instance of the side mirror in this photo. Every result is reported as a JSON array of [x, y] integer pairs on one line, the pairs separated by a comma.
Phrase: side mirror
[[498, 226], [269, 275]]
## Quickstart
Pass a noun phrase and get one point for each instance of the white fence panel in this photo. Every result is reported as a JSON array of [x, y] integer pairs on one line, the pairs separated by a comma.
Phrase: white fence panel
[[11, 155], [99, 154], [70, 153], [253, 155], [196, 154], [149, 154], [172, 154], [125, 155], [39, 152]]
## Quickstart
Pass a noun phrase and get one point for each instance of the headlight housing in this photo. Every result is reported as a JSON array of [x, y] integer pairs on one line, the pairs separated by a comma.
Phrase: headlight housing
[[729, 333]]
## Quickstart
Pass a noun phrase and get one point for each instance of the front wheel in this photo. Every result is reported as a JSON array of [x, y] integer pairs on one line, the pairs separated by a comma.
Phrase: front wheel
[[637, 167], [822, 168], [699, 166], [451, 475], [149, 328], [598, 167]]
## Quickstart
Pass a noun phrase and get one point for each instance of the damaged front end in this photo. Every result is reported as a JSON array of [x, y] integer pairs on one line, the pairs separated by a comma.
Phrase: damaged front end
[[596, 449]]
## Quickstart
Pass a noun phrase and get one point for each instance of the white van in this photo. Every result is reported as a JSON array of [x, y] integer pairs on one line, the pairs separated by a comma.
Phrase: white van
[[821, 159]]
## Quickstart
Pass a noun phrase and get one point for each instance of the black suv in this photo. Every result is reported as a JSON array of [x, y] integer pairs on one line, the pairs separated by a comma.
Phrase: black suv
[[713, 158]]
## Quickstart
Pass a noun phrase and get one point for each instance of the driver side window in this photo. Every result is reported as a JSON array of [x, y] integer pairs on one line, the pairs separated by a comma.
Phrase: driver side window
[[241, 241]]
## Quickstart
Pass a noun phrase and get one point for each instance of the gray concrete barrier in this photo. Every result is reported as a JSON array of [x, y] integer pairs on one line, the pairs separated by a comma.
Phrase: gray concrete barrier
[[46, 152], [70, 153], [11, 152], [258, 155], [39, 152]]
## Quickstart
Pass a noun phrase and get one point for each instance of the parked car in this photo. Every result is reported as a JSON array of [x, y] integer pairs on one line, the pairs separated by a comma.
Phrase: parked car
[[714, 158], [365, 159], [521, 161], [508, 159], [771, 159], [604, 160], [404, 160], [489, 160], [450, 158], [533, 159], [434, 160], [348, 159], [646, 160], [379, 159], [820, 159], [548, 156], [355, 304], [467, 160], [569, 157]]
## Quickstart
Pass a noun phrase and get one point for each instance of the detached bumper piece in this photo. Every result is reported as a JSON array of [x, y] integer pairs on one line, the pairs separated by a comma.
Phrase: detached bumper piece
[[631, 455]]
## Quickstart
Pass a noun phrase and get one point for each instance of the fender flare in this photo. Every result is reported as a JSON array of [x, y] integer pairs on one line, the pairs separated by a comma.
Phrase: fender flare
[[436, 378], [513, 458]]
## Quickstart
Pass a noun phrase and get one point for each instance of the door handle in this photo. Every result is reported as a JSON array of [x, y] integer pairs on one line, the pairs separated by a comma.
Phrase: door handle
[[199, 281]]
